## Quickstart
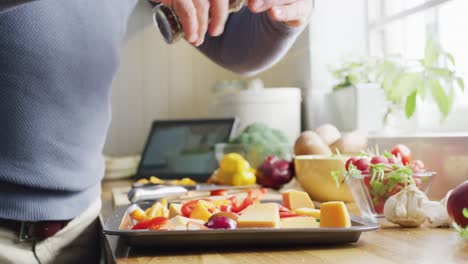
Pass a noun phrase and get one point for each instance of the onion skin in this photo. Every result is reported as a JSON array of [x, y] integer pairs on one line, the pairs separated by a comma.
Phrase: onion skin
[[458, 200]]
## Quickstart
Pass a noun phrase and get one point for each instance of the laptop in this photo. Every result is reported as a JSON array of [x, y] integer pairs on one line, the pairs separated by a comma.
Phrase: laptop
[[177, 149]]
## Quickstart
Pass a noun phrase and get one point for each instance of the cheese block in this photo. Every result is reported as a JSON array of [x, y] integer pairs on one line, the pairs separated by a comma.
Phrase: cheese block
[[299, 222], [296, 199], [260, 215], [334, 214], [180, 223], [174, 210], [308, 212]]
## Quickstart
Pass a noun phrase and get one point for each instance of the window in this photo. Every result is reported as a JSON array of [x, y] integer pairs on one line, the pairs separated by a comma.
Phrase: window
[[401, 27]]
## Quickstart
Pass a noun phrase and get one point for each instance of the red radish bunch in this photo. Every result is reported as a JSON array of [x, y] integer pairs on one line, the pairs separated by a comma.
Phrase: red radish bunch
[[386, 175]]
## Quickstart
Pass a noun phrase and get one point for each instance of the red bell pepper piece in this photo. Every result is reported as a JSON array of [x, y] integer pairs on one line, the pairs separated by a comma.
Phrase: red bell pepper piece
[[153, 224], [256, 193], [225, 208], [219, 192], [246, 203], [283, 208], [287, 214]]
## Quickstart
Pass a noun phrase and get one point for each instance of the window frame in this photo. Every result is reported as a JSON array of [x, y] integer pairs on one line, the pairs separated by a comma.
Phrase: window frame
[[385, 20]]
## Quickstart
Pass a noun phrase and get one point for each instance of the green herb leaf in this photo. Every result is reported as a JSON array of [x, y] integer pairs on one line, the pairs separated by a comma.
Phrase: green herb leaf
[[461, 84], [422, 91], [463, 231], [377, 188], [432, 53], [410, 104], [336, 177], [440, 97], [387, 154], [354, 172], [440, 72], [405, 84], [450, 58], [465, 212]]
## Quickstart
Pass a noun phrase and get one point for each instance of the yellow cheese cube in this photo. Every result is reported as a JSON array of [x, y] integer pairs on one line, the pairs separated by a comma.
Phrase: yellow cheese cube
[[201, 211], [260, 215], [308, 212], [334, 214], [297, 199], [174, 210], [299, 222]]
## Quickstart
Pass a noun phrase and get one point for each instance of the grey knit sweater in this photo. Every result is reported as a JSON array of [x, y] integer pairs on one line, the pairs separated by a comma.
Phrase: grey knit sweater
[[57, 61]]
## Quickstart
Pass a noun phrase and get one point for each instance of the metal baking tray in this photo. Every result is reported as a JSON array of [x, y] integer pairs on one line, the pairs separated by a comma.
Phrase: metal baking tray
[[237, 237]]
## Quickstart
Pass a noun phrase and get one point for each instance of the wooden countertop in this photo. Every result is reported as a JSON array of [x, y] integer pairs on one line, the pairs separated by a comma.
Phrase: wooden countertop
[[390, 244]]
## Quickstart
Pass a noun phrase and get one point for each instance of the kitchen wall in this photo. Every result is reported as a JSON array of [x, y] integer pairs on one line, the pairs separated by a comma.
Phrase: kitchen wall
[[337, 30], [160, 81]]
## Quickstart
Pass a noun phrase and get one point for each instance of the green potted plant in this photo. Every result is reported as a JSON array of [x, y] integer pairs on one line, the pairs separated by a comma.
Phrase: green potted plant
[[406, 83]]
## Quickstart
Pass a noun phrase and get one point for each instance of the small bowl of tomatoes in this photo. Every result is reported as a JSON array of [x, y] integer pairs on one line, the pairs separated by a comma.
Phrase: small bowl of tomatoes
[[373, 177]]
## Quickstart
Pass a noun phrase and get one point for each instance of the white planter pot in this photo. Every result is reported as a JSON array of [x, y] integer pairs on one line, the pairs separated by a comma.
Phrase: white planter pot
[[361, 107]]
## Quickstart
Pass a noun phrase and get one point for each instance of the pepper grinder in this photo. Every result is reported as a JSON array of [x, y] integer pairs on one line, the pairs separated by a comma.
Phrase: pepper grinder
[[169, 24]]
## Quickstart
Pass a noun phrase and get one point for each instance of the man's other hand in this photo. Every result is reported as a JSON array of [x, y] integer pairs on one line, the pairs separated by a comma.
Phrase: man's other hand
[[293, 13]]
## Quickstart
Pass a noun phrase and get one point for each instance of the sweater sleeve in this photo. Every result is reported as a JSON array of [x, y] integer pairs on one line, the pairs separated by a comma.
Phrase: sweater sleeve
[[251, 42], [7, 4]]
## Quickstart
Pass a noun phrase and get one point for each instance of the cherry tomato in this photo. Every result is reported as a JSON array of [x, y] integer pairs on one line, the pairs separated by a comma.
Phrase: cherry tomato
[[287, 214], [351, 160], [379, 160], [153, 224], [417, 181], [366, 180], [219, 192], [403, 152], [417, 165], [362, 164], [396, 189], [379, 208]]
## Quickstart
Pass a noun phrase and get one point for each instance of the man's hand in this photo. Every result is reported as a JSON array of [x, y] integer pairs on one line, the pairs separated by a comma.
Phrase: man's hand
[[199, 17], [293, 13]]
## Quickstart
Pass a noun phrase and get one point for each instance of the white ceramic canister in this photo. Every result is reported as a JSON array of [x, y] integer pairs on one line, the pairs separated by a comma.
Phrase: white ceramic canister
[[278, 108]]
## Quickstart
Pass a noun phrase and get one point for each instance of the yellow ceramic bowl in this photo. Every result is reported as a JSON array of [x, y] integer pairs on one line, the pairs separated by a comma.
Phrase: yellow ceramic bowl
[[313, 172]]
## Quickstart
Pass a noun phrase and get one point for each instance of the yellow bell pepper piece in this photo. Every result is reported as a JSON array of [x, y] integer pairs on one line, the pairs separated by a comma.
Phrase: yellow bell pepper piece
[[201, 211], [155, 180], [156, 210], [244, 178], [233, 162], [138, 214]]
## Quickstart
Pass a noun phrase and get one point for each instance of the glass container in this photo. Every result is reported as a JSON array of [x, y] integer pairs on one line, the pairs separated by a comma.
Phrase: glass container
[[371, 205]]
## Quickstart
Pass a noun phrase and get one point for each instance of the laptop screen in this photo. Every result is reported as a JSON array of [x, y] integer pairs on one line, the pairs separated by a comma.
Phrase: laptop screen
[[183, 148]]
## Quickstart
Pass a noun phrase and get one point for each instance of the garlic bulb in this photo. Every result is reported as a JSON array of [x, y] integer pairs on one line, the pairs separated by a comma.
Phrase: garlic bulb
[[406, 207], [436, 212]]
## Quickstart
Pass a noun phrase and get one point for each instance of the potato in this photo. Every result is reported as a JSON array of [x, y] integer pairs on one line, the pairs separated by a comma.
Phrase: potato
[[309, 143], [329, 133], [350, 143]]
